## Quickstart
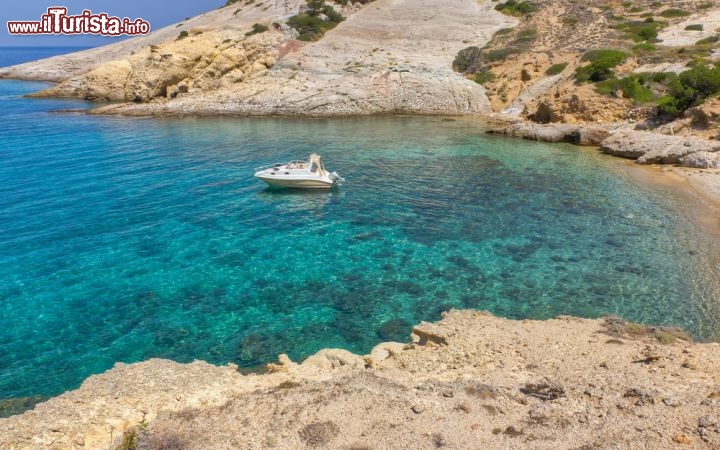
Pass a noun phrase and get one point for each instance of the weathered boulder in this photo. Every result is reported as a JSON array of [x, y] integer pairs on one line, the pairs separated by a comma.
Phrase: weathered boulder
[[702, 160], [552, 132], [652, 148], [590, 135]]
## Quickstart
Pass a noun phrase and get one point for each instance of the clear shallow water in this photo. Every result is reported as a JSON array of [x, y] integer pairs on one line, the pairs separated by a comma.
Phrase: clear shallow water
[[124, 239]]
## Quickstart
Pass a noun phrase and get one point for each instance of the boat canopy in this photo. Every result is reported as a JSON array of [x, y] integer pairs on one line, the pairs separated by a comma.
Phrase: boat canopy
[[316, 162]]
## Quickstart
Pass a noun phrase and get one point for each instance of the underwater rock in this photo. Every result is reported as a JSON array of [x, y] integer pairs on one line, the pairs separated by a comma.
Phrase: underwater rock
[[394, 330]]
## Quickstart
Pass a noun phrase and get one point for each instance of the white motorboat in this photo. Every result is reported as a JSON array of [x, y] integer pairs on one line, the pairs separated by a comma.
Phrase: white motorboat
[[310, 174]]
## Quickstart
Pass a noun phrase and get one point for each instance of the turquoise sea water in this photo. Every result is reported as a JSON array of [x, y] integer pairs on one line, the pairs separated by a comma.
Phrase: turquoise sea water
[[124, 239]]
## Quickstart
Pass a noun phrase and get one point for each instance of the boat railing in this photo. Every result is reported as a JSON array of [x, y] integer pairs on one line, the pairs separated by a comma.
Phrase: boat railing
[[261, 168]]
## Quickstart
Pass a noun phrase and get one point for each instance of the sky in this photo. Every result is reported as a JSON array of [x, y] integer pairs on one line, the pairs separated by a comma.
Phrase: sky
[[157, 13]]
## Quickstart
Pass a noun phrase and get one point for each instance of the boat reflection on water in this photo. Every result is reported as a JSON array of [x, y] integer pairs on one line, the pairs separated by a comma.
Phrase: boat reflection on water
[[300, 200]]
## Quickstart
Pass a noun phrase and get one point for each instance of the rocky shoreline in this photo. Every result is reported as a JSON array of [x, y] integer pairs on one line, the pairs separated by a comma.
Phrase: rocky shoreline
[[471, 380]]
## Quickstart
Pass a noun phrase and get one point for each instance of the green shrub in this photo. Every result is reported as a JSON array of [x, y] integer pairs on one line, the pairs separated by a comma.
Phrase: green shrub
[[471, 60], [646, 30], [257, 28], [524, 36], [632, 87], [694, 27], [674, 12], [601, 64], [515, 8], [483, 76], [500, 54], [309, 25], [690, 88], [556, 69], [644, 47], [615, 57], [708, 40], [468, 60], [183, 34]]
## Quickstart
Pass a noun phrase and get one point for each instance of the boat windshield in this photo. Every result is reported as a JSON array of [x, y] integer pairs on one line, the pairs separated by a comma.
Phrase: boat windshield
[[297, 165]]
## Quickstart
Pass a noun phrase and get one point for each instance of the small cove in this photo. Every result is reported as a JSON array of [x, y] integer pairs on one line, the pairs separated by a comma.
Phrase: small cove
[[124, 239]]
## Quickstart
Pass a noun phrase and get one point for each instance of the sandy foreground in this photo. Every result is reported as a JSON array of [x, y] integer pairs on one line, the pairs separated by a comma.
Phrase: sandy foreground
[[471, 380]]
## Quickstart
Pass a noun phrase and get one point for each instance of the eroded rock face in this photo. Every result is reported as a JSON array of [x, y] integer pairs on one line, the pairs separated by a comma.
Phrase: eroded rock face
[[653, 148], [200, 63], [579, 105], [552, 132], [702, 160]]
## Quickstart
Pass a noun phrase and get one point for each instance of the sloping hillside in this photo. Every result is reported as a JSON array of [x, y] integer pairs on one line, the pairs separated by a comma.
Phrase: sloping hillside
[[608, 62]]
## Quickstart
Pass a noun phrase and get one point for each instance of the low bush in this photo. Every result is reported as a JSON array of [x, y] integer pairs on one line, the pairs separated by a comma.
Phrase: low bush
[[601, 64], [569, 21], [632, 87], [708, 41], [515, 8], [257, 28], [644, 47], [674, 12], [646, 30], [483, 76], [694, 27], [471, 60], [525, 36], [310, 25], [468, 60], [690, 88], [183, 34], [556, 69]]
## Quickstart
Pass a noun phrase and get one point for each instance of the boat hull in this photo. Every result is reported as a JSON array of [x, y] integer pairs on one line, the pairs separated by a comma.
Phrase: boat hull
[[297, 183]]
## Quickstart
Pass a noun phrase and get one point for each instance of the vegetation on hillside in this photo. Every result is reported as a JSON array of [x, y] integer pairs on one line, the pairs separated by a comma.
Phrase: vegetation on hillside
[[626, 38], [257, 28], [318, 18], [515, 8], [690, 88], [601, 64]]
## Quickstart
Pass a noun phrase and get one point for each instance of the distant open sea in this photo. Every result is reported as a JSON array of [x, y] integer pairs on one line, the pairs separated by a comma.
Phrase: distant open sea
[[10, 56], [123, 239]]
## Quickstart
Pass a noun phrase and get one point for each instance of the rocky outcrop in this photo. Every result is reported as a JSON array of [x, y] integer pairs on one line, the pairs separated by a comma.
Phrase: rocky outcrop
[[197, 64], [470, 378], [553, 132], [702, 160], [700, 121], [653, 148]]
